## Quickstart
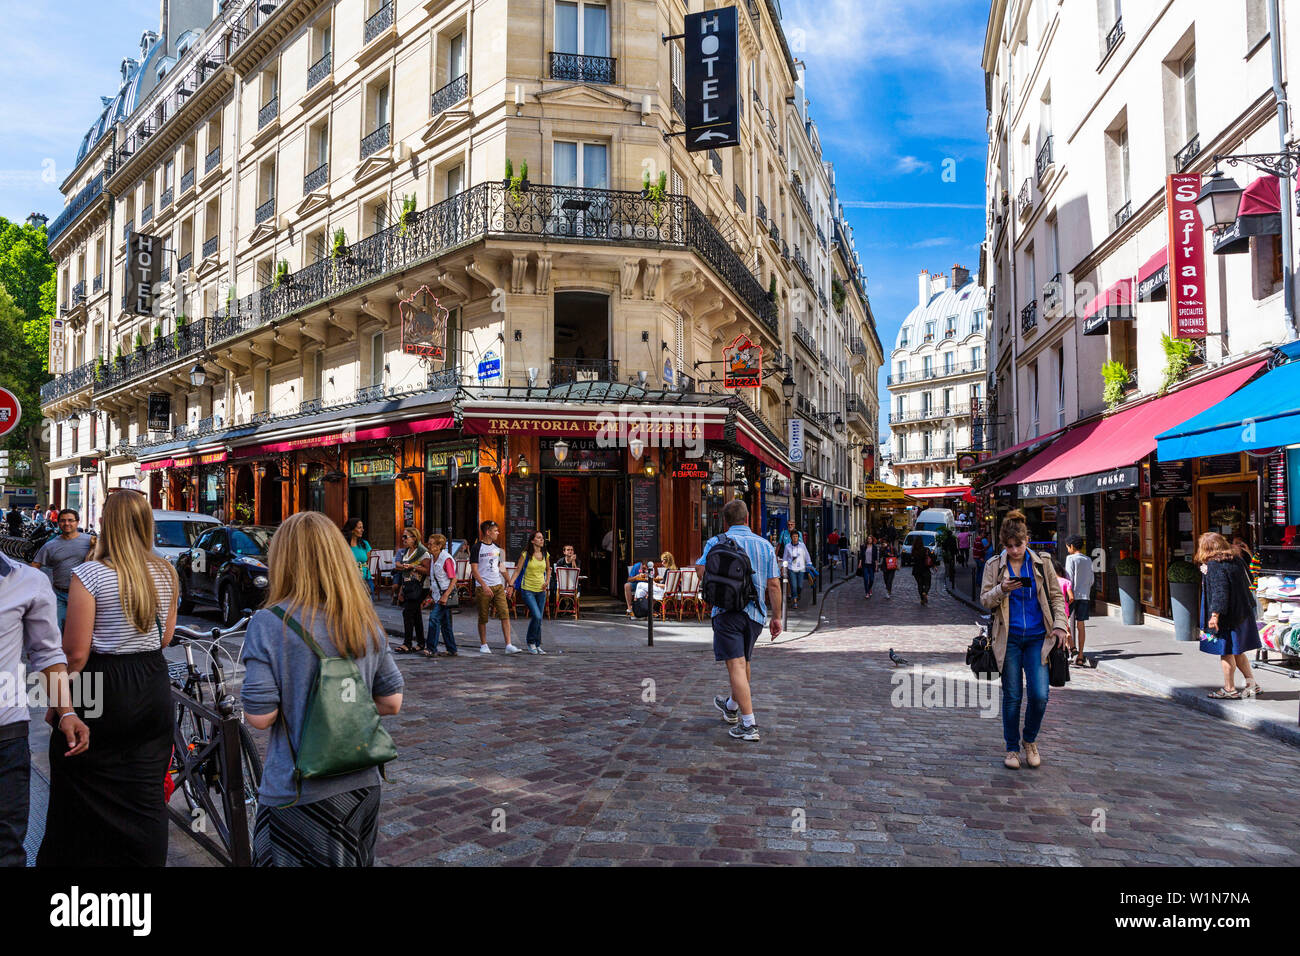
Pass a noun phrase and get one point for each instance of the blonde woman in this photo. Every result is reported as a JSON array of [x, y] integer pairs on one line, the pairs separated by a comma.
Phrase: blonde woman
[[666, 561], [106, 805], [331, 821]]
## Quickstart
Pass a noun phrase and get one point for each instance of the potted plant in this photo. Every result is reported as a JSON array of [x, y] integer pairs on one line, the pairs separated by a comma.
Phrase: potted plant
[[339, 252], [838, 294], [771, 288], [1113, 375], [516, 184], [408, 214], [121, 358], [1178, 354], [139, 342], [1126, 569], [281, 273], [243, 513], [1183, 580], [656, 192], [181, 322]]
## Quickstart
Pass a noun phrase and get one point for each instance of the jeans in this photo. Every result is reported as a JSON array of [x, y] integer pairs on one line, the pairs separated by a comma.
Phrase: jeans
[[868, 577], [61, 597], [440, 624], [1023, 654], [15, 781], [536, 601]]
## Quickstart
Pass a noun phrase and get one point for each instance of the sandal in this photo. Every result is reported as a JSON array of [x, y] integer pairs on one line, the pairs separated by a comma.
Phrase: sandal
[[428, 653], [1220, 694], [1252, 689], [404, 649]]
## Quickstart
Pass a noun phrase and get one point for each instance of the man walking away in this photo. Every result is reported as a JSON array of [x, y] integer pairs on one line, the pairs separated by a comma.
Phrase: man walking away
[[61, 554], [491, 588], [736, 631], [1078, 568], [28, 627]]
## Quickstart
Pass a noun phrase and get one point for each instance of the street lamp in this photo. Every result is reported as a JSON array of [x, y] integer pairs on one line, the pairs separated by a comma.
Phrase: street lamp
[[197, 375], [637, 447], [561, 451], [839, 424], [788, 387], [1218, 202], [522, 466]]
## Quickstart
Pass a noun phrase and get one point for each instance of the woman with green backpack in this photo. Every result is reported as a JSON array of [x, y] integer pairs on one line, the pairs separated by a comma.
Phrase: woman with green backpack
[[319, 675]]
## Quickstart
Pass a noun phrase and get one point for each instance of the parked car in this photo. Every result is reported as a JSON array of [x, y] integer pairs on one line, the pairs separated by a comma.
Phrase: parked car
[[919, 539], [226, 569], [174, 532], [932, 519]]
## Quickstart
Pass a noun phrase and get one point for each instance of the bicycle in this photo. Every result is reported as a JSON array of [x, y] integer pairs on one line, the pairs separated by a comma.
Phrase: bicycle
[[215, 762]]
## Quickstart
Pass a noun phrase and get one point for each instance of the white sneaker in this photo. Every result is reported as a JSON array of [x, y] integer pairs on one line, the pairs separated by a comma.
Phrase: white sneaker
[[484, 649], [531, 649], [539, 650], [511, 649]]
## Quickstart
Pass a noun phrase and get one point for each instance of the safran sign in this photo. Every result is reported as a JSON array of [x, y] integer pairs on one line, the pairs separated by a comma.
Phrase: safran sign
[[1186, 257], [743, 364], [1117, 480], [712, 80]]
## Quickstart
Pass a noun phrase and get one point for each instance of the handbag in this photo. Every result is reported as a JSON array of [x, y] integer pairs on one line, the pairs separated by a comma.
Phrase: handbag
[[413, 584], [1058, 667], [341, 730], [891, 563], [1211, 642], [980, 657]]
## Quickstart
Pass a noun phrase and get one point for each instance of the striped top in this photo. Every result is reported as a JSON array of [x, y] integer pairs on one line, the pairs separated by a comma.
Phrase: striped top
[[113, 632]]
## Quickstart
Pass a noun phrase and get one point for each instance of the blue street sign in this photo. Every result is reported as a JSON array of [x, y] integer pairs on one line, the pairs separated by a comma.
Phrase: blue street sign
[[490, 367]]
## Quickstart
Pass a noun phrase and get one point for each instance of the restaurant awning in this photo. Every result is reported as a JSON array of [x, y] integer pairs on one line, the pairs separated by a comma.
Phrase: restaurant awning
[[1260, 214], [1114, 304], [1153, 278], [1102, 455], [957, 491], [1264, 414]]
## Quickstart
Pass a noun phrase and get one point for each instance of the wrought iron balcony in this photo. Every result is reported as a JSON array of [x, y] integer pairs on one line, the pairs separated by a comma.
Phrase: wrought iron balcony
[[97, 285], [857, 346], [1123, 214], [315, 179], [379, 22], [165, 273], [567, 370], [186, 342], [1115, 35], [449, 95], [857, 405], [66, 384], [581, 68], [774, 231], [715, 160], [821, 237], [805, 338], [75, 208], [310, 407], [760, 210], [933, 412], [264, 212], [376, 141], [212, 160], [210, 247], [1053, 292], [1044, 161], [802, 265], [679, 103], [320, 69], [444, 378], [268, 112], [803, 196], [184, 262], [1024, 200], [1184, 156], [1029, 318], [964, 368], [740, 198], [146, 215], [79, 293], [187, 180], [165, 199]]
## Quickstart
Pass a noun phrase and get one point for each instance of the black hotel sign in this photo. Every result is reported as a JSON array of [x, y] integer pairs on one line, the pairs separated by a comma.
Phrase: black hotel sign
[[143, 270], [712, 80]]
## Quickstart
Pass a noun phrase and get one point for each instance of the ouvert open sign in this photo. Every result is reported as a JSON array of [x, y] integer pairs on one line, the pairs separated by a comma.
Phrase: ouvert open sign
[[712, 80]]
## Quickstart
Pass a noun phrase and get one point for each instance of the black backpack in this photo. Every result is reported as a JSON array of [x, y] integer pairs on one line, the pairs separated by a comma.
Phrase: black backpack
[[728, 577]]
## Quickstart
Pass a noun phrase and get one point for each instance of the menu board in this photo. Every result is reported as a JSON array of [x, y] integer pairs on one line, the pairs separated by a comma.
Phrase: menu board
[[1221, 465], [521, 514], [1171, 479], [645, 519]]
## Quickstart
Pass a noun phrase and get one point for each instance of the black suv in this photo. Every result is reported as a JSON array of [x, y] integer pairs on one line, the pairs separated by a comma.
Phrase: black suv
[[227, 569]]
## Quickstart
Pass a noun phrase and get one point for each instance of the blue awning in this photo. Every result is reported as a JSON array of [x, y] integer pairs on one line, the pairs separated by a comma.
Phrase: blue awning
[[1263, 414]]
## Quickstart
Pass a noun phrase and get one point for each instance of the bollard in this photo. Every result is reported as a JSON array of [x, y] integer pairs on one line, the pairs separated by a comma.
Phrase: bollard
[[785, 594], [650, 618]]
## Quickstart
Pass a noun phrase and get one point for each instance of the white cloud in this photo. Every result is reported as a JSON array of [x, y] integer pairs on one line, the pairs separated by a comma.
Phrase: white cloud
[[934, 243], [907, 165]]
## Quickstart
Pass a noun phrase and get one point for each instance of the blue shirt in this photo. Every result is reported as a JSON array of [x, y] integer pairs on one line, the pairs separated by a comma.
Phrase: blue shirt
[[762, 558], [1024, 615]]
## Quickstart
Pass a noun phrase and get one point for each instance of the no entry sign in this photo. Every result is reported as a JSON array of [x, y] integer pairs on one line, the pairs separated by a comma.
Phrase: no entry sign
[[10, 411]]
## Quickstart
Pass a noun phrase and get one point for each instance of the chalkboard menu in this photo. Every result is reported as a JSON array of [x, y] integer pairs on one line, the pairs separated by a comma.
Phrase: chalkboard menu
[[521, 514], [1221, 465], [1171, 479], [645, 519]]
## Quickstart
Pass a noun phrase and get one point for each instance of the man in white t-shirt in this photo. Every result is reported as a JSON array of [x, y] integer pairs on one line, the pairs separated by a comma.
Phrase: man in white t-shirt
[[492, 590], [796, 553]]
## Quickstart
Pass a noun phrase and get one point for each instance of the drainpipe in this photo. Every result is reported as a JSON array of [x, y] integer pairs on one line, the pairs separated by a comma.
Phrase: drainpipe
[[1284, 137]]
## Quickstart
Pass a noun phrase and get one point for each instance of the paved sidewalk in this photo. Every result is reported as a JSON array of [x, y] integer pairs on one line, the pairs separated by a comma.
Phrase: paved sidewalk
[[1149, 655]]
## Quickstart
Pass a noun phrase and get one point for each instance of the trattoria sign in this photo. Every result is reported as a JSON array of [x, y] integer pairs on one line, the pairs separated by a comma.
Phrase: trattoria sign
[[1186, 257], [712, 80]]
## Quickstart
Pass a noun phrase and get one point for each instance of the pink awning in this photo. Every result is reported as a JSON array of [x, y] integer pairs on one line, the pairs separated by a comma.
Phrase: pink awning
[[1119, 294], [1263, 197]]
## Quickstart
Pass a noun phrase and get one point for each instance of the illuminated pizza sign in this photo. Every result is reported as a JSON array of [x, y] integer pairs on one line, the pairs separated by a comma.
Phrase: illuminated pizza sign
[[744, 364]]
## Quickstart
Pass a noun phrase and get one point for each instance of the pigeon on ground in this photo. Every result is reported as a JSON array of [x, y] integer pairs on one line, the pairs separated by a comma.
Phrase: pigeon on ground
[[898, 661]]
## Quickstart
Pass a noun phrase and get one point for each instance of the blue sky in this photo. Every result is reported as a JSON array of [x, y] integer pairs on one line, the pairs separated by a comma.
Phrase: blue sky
[[896, 89]]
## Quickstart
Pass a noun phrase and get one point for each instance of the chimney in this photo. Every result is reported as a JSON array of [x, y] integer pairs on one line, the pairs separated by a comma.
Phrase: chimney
[[938, 283], [960, 276], [924, 285]]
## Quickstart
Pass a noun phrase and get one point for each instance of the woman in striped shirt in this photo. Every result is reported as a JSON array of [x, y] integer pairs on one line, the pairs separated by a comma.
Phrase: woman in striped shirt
[[106, 805]]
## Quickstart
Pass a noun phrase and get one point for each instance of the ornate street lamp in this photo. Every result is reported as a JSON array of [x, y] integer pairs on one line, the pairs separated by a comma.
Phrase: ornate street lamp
[[788, 387], [522, 466], [637, 447], [198, 377], [1218, 202], [561, 451]]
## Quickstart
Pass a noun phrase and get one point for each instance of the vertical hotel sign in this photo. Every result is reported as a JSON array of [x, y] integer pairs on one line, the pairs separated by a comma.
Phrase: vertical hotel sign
[[1186, 257], [712, 80], [143, 270]]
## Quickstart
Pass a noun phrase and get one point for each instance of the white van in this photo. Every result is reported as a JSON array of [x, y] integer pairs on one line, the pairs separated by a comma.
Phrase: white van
[[932, 519], [174, 532]]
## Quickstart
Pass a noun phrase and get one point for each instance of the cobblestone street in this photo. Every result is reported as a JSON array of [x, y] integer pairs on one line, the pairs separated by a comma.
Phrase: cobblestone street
[[578, 759]]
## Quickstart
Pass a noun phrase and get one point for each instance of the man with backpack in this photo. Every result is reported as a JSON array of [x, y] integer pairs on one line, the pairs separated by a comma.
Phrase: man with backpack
[[740, 577]]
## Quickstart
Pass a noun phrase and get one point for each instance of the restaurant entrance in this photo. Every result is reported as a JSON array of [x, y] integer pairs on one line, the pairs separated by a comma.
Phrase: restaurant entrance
[[583, 510], [451, 492]]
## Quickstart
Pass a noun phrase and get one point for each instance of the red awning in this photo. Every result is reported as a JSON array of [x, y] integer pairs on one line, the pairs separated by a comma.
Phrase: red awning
[[1013, 450], [762, 454], [1153, 278], [1120, 294], [1261, 198], [1153, 265], [957, 491], [1129, 436]]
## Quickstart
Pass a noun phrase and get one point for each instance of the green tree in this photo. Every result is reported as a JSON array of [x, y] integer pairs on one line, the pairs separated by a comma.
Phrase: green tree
[[27, 304]]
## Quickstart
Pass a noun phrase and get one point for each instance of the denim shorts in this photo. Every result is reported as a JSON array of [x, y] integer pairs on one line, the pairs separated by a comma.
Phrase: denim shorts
[[1080, 609], [734, 635]]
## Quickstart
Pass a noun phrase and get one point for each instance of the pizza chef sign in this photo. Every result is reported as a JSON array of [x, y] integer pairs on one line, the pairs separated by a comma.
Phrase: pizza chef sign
[[743, 364], [424, 325]]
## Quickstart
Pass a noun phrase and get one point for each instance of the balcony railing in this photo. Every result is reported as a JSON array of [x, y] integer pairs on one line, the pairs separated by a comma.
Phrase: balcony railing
[[75, 208], [310, 407], [805, 337], [212, 160], [184, 262], [1024, 202], [210, 247], [185, 343], [857, 346], [1123, 214], [567, 370], [98, 284], [1029, 318], [760, 210], [582, 69], [964, 368], [1115, 35], [187, 180], [740, 198], [79, 293], [449, 95], [774, 231], [1184, 156], [802, 265], [165, 273], [264, 212], [679, 103], [381, 21], [715, 160], [376, 141], [924, 414], [320, 69], [146, 215], [1053, 293], [165, 199], [317, 178], [803, 196], [1044, 160], [80, 377], [268, 112]]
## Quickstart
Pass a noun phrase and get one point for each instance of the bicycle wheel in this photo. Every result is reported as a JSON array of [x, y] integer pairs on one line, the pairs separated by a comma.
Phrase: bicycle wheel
[[191, 735]]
